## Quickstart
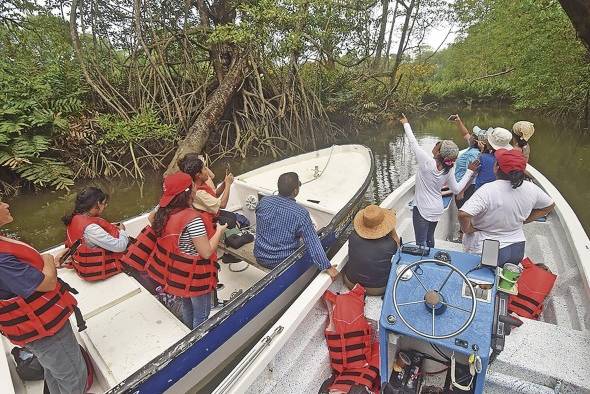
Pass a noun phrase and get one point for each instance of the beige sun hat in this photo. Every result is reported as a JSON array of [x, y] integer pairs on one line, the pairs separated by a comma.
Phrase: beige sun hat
[[524, 129], [500, 138], [374, 222]]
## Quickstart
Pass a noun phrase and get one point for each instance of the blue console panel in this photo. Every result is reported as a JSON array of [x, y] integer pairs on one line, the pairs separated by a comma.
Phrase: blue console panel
[[432, 276]]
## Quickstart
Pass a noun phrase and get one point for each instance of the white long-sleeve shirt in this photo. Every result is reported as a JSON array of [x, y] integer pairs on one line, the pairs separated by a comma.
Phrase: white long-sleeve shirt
[[94, 235], [430, 180]]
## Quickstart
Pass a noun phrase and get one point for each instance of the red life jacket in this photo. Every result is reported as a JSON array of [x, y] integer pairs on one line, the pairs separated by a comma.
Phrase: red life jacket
[[534, 285], [367, 376], [138, 252], [182, 274], [348, 333], [96, 263], [211, 216], [24, 320]]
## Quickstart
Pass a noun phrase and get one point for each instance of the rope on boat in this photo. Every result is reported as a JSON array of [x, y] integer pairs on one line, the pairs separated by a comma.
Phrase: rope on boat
[[323, 169]]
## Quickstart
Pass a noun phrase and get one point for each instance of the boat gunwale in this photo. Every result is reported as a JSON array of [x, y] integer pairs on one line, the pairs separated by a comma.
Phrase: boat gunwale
[[163, 359], [295, 314], [576, 236], [297, 311]]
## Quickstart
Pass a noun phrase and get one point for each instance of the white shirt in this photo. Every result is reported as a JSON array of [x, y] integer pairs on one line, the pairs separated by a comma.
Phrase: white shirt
[[94, 235], [499, 212], [430, 180]]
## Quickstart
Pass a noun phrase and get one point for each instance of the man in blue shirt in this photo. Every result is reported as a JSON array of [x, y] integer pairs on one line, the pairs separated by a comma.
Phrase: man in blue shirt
[[280, 225]]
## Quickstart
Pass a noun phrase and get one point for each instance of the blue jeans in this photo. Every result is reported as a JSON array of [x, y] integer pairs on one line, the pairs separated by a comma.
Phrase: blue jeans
[[195, 310], [511, 254], [62, 361], [423, 229]]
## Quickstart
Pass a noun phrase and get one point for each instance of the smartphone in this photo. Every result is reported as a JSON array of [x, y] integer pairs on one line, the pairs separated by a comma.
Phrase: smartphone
[[490, 252], [452, 118], [227, 168]]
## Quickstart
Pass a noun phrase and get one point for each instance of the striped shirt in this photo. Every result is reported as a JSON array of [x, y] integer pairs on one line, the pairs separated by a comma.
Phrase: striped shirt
[[195, 228], [280, 225]]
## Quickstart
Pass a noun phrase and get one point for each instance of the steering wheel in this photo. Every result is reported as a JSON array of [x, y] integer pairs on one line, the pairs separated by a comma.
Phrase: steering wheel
[[433, 299]]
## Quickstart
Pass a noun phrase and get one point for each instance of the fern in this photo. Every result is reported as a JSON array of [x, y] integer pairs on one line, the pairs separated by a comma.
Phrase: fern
[[47, 172]]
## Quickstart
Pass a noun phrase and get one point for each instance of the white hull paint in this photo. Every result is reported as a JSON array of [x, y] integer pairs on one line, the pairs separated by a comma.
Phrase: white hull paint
[[314, 167], [533, 360]]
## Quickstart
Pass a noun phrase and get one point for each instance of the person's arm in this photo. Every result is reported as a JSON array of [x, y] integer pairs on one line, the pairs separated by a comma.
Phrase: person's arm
[[50, 274], [461, 127], [209, 180], [465, 222], [421, 155], [220, 189], [313, 243], [475, 206], [458, 187], [204, 246], [229, 179], [539, 213], [22, 279], [543, 204], [97, 236]]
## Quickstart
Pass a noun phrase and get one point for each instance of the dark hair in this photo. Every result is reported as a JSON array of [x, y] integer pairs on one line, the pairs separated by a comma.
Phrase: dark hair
[[521, 142], [85, 201], [473, 142], [287, 183], [191, 164], [515, 177], [178, 203]]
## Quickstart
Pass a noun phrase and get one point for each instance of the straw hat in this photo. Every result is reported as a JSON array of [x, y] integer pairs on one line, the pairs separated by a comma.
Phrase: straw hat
[[524, 129], [374, 222]]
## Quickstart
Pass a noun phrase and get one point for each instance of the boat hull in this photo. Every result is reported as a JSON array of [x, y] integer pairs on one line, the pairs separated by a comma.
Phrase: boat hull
[[193, 361]]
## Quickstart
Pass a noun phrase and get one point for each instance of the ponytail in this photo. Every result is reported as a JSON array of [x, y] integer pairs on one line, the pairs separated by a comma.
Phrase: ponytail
[[85, 201], [521, 142], [516, 177], [177, 204]]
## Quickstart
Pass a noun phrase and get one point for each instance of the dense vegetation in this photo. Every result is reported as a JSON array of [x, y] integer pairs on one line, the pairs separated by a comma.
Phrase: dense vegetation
[[105, 88], [523, 51]]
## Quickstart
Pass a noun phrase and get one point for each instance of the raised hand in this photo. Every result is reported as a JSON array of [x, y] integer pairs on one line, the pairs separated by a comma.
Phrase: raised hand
[[403, 119]]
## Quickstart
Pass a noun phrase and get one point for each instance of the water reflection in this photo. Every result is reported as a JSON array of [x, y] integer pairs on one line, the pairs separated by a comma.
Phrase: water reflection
[[559, 150]]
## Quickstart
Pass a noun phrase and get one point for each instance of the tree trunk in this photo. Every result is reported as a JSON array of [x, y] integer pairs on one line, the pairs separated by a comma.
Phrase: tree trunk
[[579, 13], [403, 39], [381, 39], [110, 101], [213, 111], [391, 35]]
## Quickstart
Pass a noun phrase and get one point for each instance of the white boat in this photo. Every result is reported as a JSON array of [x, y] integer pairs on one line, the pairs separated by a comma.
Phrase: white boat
[[138, 345], [546, 356]]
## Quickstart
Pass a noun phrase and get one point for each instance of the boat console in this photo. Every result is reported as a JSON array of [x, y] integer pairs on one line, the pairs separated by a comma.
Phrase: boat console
[[441, 318]]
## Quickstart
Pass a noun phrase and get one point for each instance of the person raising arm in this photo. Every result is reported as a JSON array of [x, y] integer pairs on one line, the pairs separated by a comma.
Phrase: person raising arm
[[433, 172]]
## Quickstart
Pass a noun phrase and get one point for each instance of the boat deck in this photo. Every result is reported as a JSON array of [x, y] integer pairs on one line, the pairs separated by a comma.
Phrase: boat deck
[[543, 356]]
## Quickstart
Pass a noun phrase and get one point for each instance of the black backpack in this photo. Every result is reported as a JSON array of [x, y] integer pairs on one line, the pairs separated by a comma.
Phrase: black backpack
[[27, 364]]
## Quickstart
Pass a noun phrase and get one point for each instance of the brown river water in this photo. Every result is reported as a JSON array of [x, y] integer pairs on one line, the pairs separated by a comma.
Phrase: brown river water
[[559, 149]]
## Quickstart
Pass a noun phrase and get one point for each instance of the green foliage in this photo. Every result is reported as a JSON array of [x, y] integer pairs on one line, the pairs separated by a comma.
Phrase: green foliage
[[533, 40], [144, 126], [39, 88]]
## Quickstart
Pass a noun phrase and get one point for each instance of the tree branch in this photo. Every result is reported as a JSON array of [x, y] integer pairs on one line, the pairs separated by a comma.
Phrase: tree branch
[[491, 75]]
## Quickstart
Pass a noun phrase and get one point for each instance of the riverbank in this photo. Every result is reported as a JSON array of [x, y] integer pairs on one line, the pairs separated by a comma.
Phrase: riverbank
[[560, 152]]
